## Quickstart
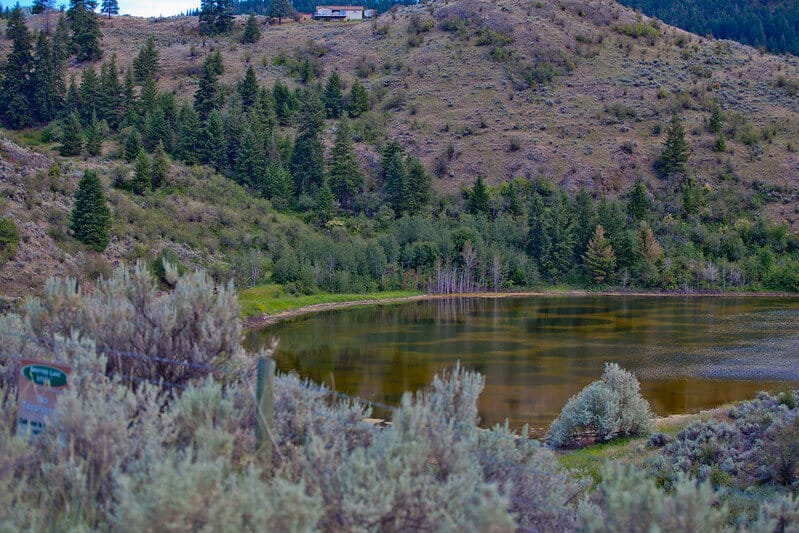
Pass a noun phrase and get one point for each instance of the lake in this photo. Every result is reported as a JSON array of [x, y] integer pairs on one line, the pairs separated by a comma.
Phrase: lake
[[689, 353]]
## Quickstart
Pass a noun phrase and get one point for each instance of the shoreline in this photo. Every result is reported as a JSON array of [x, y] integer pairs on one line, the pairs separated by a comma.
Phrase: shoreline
[[264, 320]]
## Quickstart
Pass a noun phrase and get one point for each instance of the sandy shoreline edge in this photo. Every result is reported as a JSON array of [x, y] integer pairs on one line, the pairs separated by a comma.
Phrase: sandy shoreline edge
[[264, 320]]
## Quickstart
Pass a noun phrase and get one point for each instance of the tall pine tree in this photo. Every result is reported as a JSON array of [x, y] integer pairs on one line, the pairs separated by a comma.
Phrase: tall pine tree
[[675, 149], [85, 31], [344, 175], [209, 95], [599, 260], [91, 219], [308, 156], [16, 97], [109, 7]]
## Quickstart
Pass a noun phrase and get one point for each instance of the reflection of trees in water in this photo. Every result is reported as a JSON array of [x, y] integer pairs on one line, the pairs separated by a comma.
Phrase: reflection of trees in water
[[451, 310]]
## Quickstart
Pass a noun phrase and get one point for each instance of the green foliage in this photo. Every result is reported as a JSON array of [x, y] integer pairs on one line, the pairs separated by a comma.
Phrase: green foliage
[[716, 120], [86, 33], [628, 500], [280, 9], [72, 139], [146, 64], [133, 145], [675, 149], [248, 88], [416, 187], [94, 137], [332, 98], [344, 175], [606, 409], [109, 7], [9, 239], [308, 156], [209, 94], [142, 173], [252, 31], [639, 206], [358, 101], [479, 201], [599, 259], [159, 173], [15, 82], [90, 219], [216, 16]]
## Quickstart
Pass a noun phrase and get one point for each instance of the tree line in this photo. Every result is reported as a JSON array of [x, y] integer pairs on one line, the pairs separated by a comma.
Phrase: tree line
[[773, 25]]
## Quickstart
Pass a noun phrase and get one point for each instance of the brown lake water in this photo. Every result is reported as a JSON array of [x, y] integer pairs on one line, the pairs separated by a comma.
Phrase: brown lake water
[[689, 353]]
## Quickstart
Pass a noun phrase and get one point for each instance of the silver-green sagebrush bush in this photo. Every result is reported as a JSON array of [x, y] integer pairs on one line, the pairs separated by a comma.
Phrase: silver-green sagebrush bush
[[608, 408], [133, 456]]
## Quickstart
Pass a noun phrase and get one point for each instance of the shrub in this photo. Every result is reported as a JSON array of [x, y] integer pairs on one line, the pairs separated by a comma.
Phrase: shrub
[[9, 239], [628, 500], [608, 408]]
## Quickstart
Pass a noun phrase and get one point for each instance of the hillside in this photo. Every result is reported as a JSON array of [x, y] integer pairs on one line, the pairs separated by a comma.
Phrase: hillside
[[577, 94]]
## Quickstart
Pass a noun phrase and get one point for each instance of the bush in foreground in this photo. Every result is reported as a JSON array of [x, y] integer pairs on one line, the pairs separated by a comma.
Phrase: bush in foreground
[[608, 408]]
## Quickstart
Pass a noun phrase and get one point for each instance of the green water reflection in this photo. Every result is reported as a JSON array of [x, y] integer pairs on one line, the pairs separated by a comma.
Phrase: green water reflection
[[689, 352]]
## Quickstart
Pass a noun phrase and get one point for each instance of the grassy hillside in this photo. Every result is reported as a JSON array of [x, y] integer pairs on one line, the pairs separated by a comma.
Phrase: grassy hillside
[[574, 94]]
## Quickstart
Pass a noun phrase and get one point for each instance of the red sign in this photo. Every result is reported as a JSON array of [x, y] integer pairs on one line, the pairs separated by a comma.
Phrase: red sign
[[39, 386]]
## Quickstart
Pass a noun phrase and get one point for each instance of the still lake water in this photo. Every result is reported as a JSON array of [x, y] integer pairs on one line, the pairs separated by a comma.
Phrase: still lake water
[[689, 353]]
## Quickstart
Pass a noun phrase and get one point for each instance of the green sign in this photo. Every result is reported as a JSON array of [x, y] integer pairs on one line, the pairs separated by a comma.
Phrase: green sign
[[45, 375]]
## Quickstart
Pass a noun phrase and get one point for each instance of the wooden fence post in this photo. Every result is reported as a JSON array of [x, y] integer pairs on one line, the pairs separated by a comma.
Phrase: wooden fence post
[[264, 413]]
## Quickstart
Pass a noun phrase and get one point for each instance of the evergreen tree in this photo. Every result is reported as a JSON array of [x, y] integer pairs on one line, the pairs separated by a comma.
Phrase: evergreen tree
[[91, 219], [146, 65], [251, 30], [94, 137], [47, 81], [142, 173], [89, 94], [160, 168], [62, 41], [721, 143], [479, 203], [599, 260], [613, 217], [109, 104], [358, 102], [85, 32], [284, 102], [393, 169], [675, 149], [584, 219], [188, 138], [325, 202], [638, 205], [109, 7], [213, 144], [16, 97], [72, 139], [416, 188], [157, 129], [133, 145], [72, 101], [557, 237], [209, 95], [651, 255], [308, 156], [148, 97], [332, 97], [280, 9], [38, 7], [216, 16], [250, 165], [248, 88], [278, 186], [716, 118], [344, 175]]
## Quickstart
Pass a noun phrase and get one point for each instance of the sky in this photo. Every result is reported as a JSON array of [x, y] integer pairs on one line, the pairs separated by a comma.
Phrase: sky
[[142, 8]]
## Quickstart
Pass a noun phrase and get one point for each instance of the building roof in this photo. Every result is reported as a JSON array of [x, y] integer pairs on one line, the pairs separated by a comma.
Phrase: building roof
[[341, 8]]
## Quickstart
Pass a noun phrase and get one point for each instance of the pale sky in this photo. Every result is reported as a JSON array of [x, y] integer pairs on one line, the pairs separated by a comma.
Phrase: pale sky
[[142, 8]]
